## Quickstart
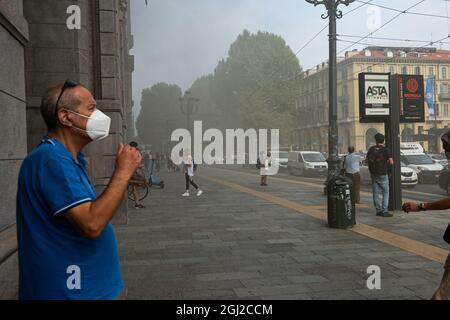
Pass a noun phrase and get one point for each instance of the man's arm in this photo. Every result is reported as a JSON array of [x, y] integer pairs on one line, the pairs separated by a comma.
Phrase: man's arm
[[443, 204], [90, 218]]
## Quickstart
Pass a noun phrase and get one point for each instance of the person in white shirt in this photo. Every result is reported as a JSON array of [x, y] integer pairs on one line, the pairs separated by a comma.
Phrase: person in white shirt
[[352, 166], [265, 162], [188, 165]]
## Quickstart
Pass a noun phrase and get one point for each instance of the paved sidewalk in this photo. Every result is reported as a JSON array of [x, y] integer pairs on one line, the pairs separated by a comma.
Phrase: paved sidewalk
[[228, 244]]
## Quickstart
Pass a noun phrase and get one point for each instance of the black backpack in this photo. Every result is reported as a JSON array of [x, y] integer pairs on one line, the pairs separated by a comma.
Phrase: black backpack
[[258, 164], [194, 165], [377, 160]]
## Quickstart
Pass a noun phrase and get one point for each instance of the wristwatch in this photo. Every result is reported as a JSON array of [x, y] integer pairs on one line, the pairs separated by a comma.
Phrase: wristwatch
[[422, 207]]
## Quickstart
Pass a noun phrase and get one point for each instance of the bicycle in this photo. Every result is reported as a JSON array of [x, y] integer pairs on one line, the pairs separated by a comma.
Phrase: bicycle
[[142, 186]]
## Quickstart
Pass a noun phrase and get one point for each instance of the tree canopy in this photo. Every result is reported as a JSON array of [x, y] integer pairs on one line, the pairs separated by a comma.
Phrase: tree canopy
[[254, 87], [160, 114]]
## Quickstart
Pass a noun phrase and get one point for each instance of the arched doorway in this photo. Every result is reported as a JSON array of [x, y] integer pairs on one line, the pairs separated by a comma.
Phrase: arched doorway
[[370, 137], [407, 135]]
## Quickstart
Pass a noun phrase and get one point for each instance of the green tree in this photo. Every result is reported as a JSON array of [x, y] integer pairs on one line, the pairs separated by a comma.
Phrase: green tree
[[207, 109], [160, 115], [258, 83]]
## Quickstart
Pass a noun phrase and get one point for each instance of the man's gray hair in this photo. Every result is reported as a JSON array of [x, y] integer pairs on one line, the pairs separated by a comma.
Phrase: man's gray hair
[[68, 100]]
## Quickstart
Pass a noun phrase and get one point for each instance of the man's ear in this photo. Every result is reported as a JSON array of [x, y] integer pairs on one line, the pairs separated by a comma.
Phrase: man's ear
[[64, 118]]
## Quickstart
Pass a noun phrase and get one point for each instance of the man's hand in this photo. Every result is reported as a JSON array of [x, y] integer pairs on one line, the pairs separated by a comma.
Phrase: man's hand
[[410, 207], [128, 160]]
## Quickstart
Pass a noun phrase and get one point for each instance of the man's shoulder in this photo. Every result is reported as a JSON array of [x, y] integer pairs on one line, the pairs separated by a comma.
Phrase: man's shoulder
[[45, 153]]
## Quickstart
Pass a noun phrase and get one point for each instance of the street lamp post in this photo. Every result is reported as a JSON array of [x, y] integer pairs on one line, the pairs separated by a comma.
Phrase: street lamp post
[[188, 107], [333, 14]]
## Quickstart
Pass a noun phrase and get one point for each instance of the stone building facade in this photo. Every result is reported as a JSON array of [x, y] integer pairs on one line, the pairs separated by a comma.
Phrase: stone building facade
[[312, 131], [39, 50]]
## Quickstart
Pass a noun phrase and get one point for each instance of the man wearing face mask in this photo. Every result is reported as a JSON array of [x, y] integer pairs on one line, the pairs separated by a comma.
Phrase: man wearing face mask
[[67, 246], [443, 292]]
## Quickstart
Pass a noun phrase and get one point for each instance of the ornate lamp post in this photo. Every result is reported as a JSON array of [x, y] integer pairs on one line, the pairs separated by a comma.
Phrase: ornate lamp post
[[188, 107], [333, 14]]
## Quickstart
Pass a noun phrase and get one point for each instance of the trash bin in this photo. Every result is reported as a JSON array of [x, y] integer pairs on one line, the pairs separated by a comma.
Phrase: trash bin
[[341, 202]]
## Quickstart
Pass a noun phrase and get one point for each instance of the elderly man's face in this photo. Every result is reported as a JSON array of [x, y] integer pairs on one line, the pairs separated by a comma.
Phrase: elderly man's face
[[87, 106]]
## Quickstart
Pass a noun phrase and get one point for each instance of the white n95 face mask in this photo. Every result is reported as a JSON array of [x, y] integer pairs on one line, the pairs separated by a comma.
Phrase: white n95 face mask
[[97, 127]]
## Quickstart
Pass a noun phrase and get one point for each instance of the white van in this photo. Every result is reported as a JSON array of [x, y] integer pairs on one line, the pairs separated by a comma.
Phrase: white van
[[414, 157], [310, 163]]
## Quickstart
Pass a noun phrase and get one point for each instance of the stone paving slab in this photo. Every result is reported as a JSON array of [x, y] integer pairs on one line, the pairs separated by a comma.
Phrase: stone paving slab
[[230, 245]]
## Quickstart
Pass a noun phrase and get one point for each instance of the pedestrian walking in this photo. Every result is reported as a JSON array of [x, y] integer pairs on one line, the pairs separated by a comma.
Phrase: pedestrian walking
[[443, 292], [379, 159], [67, 247], [352, 167], [188, 164], [139, 178]]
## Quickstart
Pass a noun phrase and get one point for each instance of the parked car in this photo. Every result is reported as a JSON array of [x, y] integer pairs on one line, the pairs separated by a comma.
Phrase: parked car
[[413, 156], [408, 176], [282, 158], [307, 163], [439, 158]]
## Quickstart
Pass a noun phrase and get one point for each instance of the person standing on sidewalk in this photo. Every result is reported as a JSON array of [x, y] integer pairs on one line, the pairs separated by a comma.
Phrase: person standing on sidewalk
[[188, 164], [443, 292], [352, 167], [66, 243], [264, 164], [379, 158]]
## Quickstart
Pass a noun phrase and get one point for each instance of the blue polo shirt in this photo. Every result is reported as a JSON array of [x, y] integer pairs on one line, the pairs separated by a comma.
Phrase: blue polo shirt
[[55, 261]]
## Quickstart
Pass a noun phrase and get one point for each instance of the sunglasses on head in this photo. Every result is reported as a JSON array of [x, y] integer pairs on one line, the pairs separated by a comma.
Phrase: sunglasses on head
[[67, 84]]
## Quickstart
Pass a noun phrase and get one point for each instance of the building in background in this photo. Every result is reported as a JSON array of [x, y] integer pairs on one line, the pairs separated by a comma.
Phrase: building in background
[[312, 106], [38, 50]]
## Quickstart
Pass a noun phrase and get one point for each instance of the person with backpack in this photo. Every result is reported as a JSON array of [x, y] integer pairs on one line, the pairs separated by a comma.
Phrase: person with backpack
[[379, 158], [189, 168], [443, 292]]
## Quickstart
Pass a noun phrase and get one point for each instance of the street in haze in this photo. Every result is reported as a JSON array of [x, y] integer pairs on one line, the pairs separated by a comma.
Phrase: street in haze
[[244, 241], [221, 150]]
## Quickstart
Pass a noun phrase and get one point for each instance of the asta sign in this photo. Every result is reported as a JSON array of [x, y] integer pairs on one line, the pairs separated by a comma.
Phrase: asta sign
[[411, 95], [374, 97]]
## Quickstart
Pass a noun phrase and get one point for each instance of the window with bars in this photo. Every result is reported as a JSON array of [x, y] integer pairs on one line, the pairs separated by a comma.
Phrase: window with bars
[[444, 73]]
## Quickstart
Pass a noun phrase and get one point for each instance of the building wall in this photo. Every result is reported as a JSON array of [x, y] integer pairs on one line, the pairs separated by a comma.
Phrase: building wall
[[13, 138], [97, 56], [312, 132]]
